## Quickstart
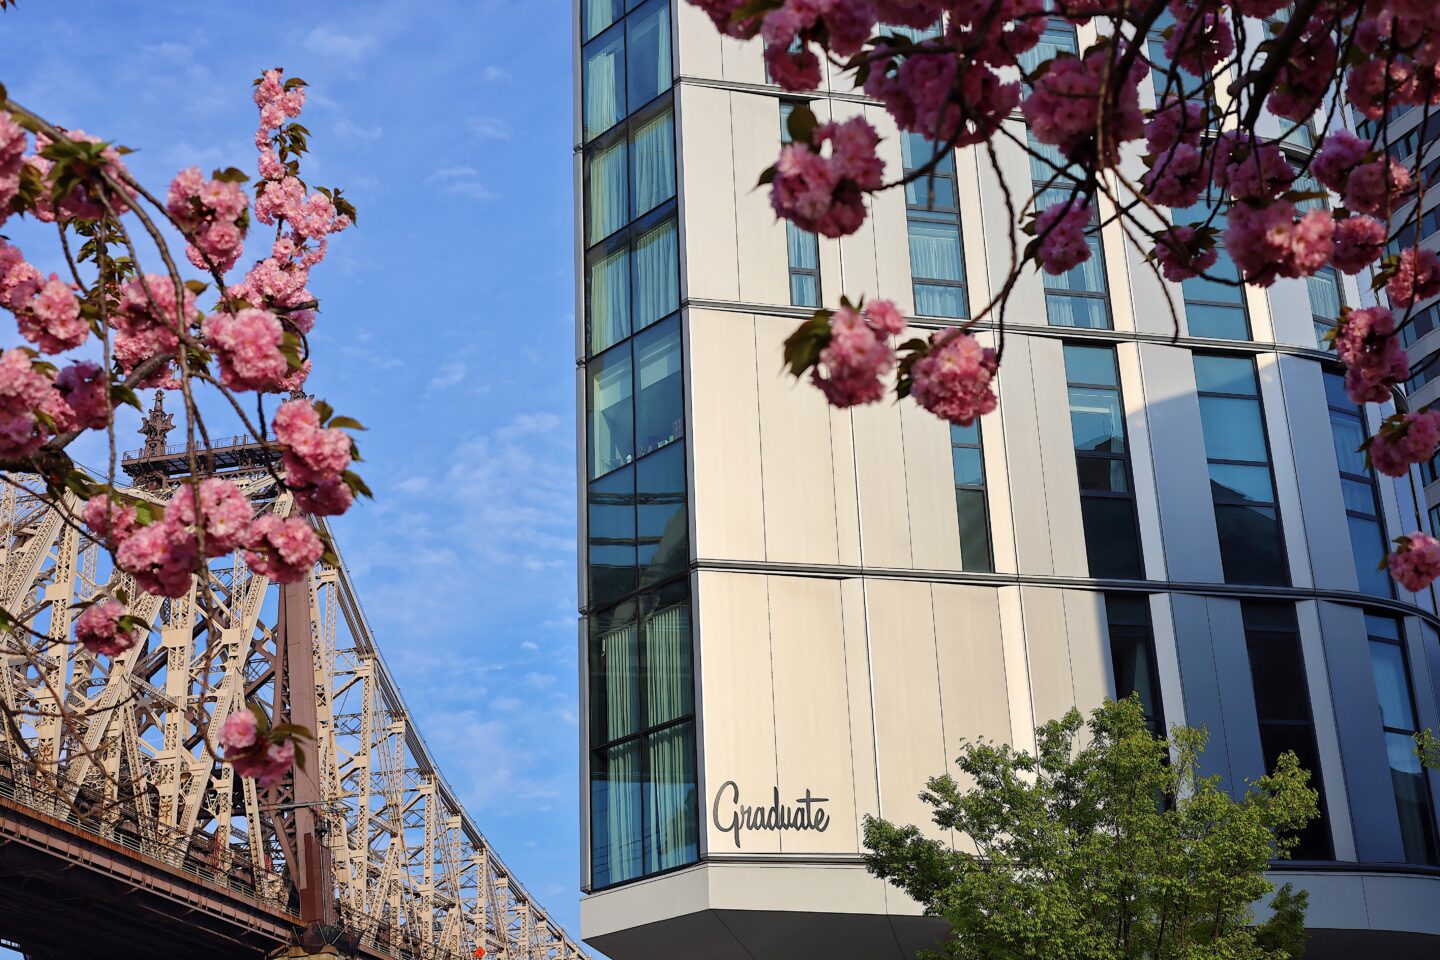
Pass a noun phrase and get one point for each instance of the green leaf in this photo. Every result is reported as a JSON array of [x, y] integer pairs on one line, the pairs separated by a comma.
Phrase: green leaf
[[324, 411], [349, 423], [356, 485], [230, 175], [262, 722], [801, 124], [767, 177], [802, 348]]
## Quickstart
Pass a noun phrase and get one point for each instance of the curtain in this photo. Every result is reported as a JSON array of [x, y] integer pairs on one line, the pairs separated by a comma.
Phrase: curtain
[[1324, 295], [673, 826], [654, 159], [803, 247], [624, 849], [668, 683], [618, 648], [657, 274], [649, 54], [935, 251], [604, 86], [609, 299], [606, 192], [599, 14]]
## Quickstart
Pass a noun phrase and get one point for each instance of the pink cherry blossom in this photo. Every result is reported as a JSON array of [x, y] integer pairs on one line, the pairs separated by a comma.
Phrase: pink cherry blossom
[[224, 517], [1404, 440], [98, 629], [240, 731], [12, 159], [1173, 123], [1366, 343], [1197, 44], [855, 360], [1178, 177], [82, 388], [51, 318], [1250, 168], [1377, 187], [1181, 255], [283, 549], [109, 519], [1268, 241], [312, 454], [823, 192], [162, 558], [84, 200], [247, 348], [1416, 278], [1415, 563], [1359, 242], [327, 498], [149, 317], [214, 215], [1306, 74], [1063, 108], [954, 379], [1340, 153], [1061, 231], [22, 391], [268, 766]]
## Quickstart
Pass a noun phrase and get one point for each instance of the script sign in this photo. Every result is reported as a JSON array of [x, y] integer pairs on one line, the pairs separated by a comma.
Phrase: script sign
[[731, 816]]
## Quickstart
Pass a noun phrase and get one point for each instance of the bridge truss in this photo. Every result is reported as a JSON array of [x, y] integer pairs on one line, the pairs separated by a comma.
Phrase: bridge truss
[[369, 843]]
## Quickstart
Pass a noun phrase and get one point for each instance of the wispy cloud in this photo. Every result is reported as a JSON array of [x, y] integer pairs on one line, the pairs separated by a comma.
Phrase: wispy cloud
[[491, 128], [494, 73], [447, 375], [330, 42], [461, 180], [348, 129]]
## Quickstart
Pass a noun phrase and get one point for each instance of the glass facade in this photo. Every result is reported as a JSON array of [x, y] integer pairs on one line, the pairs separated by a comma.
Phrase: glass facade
[[1282, 707], [1102, 461], [968, 458], [937, 256], [1214, 303], [1242, 484], [802, 247], [1358, 486], [1397, 717], [1132, 654], [1078, 297], [643, 806]]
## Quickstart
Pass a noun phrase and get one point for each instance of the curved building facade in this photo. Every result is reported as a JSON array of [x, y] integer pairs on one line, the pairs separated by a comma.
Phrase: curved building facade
[[792, 615]]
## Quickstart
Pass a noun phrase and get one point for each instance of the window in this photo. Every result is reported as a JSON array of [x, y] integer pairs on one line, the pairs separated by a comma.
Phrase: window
[[969, 462], [1184, 84], [1079, 296], [1132, 654], [1102, 461], [1433, 514], [644, 809], [1282, 705], [1326, 299], [1242, 485], [802, 247], [1059, 37], [1418, 324], [626, 62], [1397, 717], [1215, 303], [937, 260], [1359, 489]]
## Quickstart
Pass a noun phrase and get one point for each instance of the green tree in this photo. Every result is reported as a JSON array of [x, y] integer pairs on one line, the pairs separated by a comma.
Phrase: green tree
[[1104, 844]]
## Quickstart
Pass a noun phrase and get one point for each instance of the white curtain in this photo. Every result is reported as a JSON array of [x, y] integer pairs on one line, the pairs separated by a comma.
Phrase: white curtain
[[803, 247], [618, 648], [657, 274], [599, 14], [935, 251], [654, 159], [606, 192], [672, 798], [1324, 295], [609, 299], [667, 664], [604, 85], [611, 430], [622, 811]]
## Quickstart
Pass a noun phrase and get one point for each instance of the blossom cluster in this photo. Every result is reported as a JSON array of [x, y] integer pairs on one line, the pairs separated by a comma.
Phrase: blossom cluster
[[824, 191], [46, 310], [858, 356], [1403, 441], [12, 158], [103, 627], [315, 457], [213, 213], [955, 378], [1366, 341], [265, 755], [1415, 563]]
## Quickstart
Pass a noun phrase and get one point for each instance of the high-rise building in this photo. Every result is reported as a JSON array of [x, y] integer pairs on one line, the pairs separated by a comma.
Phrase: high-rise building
[[792, 615]]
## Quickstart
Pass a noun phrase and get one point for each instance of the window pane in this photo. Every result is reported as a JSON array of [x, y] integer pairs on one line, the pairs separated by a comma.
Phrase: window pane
[[1324, 295], [1411, 798], [1392, 684], [1349, 435], [1276, 739], [1088, 276], [672, 833], [963, 434], [974, 530], [1092, 365], [605, 201], [1367, 542], [1085, 312], [1111, 539], [1250, 548], [968, 468], [1102, 474], [935, 251], [653, 156], [1096, 421], [617, 851], [614, 672], [916, 150], [1335, 393], [1220, 323], [1133, 666], [1279, 679], [604, 83], [1233, 430], [611, 523], [649, 62], [804, 290], [1359, 496], [609, 288], [657, 274], [1225, 375], [599, 14], [932, 300], [931, 193], [611, 428], [660, 393], [669, 686], [664, 540], [802, 247], [1231, 483]]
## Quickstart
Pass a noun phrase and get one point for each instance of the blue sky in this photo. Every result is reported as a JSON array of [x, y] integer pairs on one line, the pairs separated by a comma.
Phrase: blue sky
[[446, 328]]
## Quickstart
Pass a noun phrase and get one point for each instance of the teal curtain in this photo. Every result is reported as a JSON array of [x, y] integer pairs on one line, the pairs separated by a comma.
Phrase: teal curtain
[[669, 685], [609, 299], [605, 192], [673, 823], [654, 160], [657, 274], [604, 85]]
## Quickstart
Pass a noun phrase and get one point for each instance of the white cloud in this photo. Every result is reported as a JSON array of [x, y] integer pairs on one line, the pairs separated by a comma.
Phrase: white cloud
[[491, 128], [329, 42], [463, 181], [413, 485], [350, 130], [447, 375], [495, 73]]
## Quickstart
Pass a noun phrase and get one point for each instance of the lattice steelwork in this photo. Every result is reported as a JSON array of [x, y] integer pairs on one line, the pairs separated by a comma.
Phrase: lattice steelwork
[[127, 759]]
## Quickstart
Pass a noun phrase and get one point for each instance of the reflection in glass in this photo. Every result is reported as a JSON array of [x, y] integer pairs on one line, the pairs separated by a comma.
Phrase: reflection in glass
[[617, 851], [1111, 542], [612, 438], [660, 399], [649, 59], [611, 532], [1250, 549], [1233, 429], [671, 799], [609, 288], [664, 543], [604, 83]]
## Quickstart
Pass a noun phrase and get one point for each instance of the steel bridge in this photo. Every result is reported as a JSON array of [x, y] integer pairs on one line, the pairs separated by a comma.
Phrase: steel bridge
[[122, 836]]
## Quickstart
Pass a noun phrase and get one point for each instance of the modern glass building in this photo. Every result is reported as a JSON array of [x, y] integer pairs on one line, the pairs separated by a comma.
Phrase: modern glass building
[[791, 615]]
